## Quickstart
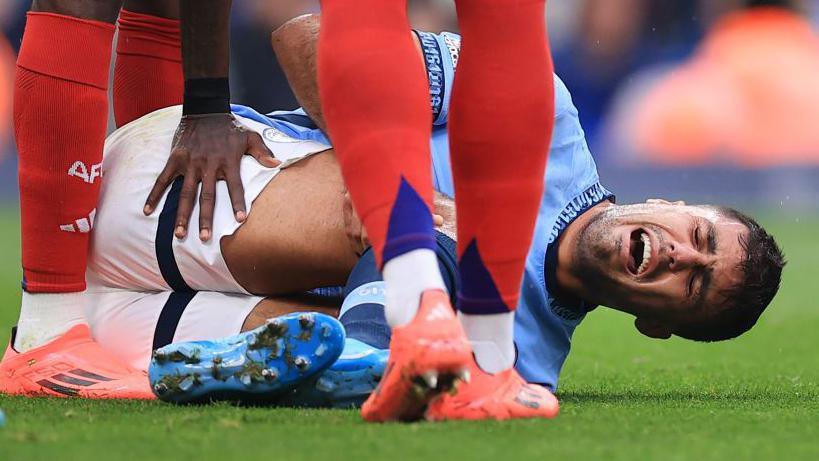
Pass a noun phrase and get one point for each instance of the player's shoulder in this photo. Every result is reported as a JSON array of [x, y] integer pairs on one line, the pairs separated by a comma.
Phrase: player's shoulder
[[295, 124], [563, 99]]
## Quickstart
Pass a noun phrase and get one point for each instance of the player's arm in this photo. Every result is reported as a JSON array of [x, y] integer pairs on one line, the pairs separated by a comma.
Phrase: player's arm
[[296, 46], [209, 143], [273, 307]]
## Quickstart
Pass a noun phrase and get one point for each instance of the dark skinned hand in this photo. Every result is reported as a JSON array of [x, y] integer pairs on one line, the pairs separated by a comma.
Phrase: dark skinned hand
[[206, 149]]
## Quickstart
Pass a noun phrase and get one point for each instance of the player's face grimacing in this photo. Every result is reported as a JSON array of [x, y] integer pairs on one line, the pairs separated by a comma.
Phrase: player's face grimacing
[[667, 263]]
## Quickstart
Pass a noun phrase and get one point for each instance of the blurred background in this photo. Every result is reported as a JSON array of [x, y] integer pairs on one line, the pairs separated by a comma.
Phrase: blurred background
[[702, 100]]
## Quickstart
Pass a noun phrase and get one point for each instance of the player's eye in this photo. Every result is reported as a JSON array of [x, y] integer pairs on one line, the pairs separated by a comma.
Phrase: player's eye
[[697, 237]]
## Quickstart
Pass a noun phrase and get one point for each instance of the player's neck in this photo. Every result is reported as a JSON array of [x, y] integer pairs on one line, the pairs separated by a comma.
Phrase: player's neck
[[566, 251]]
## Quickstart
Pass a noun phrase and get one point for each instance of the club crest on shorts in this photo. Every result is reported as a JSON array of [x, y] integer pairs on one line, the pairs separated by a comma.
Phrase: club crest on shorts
[[274, 135]]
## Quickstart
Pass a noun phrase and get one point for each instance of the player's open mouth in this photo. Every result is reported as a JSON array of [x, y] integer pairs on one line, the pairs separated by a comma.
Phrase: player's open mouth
[[639, 255]]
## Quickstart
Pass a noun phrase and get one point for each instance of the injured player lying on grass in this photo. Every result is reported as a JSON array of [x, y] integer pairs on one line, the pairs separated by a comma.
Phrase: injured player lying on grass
[[700, 272]]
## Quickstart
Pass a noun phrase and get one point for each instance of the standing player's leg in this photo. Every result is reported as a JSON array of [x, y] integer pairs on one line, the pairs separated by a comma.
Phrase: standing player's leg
[[375, 101], [60, 121], [498, 165], [351, 380], [148, 70]]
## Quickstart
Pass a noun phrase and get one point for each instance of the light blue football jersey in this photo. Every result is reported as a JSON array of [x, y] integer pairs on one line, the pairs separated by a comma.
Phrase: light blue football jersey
[[543, 324]]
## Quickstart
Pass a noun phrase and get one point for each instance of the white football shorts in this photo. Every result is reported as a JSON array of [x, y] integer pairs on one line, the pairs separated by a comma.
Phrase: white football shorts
[[132, 324], [135, 252]]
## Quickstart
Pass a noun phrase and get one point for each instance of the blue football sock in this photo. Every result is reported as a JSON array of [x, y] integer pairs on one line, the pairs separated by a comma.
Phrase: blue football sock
[[362, 315], [362, 312]]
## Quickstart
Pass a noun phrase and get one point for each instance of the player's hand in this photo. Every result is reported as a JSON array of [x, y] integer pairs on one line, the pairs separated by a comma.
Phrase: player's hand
[[206, 149], [437, 220]]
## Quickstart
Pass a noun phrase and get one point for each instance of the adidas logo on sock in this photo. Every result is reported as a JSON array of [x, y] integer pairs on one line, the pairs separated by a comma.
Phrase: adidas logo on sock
[[82, 225]]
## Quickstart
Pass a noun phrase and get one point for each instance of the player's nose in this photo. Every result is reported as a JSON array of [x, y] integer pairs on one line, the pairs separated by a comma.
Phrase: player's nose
[[681, 256]]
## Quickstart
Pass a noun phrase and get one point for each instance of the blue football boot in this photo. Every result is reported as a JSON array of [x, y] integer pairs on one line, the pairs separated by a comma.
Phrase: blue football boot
[[347, 383], [255, 366]]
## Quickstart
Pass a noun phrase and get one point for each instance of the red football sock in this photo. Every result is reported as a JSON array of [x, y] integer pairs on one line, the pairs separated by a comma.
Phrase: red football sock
[[60, 118], [376, 103], [148, 71], [500, 127]]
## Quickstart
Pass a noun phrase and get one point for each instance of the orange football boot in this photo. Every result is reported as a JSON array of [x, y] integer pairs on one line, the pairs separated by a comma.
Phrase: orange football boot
[[427, 356], [73, 365], [505, 395]]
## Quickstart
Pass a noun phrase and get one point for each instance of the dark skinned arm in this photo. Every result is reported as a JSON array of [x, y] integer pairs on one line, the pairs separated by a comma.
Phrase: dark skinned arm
[[209, 143], [296, 46], [161, 8]]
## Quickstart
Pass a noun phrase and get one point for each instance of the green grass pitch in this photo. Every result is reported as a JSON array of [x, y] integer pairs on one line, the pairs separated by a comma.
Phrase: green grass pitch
[[624, 397]]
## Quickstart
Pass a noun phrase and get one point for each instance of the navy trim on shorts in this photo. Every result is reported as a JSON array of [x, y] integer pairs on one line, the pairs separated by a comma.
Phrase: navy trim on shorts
[[169, 318], [164, 240]]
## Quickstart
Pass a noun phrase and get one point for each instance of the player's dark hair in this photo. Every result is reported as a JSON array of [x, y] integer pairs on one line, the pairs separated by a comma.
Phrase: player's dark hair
[[745, 302]]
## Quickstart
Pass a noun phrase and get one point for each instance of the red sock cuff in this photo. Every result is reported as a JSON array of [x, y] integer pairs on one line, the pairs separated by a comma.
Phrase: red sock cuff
[[78, 50], [146, 35]]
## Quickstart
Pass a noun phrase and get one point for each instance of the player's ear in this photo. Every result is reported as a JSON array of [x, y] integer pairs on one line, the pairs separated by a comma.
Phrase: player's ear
[[652, 328], [660, 201]]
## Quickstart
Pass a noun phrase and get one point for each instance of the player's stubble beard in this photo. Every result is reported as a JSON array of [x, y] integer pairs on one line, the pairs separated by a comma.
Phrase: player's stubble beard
[[594, 249]]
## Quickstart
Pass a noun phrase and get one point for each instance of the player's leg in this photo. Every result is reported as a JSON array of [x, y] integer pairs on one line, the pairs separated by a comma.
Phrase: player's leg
[[208, 345], [346, 383], [60, 120], [376, 105], [498, 165], [271, 307], [375, 101], [131, 324], [362, 312], [349, 381], [148, 70], [498, 162]]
